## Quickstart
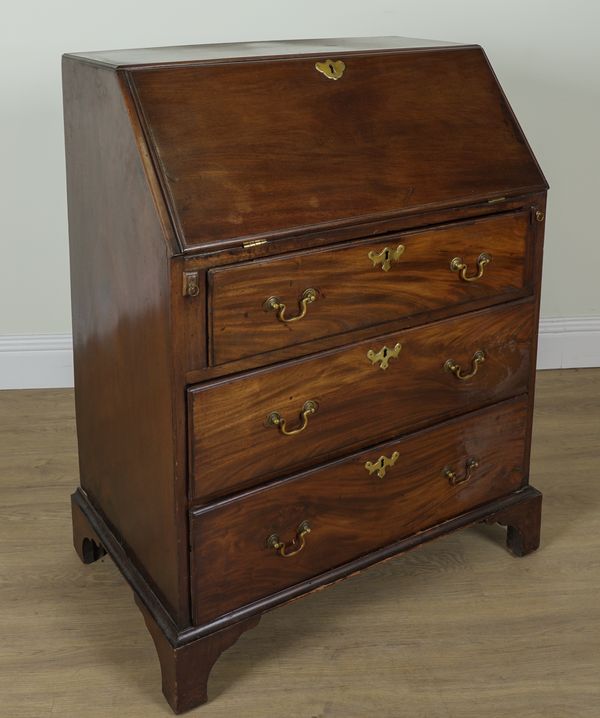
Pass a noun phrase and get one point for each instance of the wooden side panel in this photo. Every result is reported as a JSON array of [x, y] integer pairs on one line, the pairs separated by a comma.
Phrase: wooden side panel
[[121, 330], [248, 149], [349, 511], [353, 292], [358, 403]]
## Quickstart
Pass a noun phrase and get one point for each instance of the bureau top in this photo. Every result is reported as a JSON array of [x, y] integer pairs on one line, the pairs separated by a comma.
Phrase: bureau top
[[219, 52], [256, 141]]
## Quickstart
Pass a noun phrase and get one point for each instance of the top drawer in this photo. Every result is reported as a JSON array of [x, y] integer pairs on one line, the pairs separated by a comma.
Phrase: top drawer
[[269, 304]]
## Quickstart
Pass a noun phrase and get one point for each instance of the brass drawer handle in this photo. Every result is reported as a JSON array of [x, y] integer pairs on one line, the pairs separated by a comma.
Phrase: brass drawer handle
[[275, 419], [452, 366], [386, 257], [294, 546], [274, 304], [382, 464], [470, 467], [384, 355], [457, 265]]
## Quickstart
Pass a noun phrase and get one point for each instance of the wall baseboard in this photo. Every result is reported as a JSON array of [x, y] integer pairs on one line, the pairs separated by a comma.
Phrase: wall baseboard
[[569, 343], [34, 361]]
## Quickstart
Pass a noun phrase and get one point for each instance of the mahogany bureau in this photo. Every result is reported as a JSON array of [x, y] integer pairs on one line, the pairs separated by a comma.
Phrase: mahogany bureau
[[305, 291]]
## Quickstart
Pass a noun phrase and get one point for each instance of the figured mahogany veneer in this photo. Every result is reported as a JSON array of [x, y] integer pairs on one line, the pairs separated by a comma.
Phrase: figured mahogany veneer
[[273, 145], [353, 293], [358, 403], [350, 511], [380, 194]]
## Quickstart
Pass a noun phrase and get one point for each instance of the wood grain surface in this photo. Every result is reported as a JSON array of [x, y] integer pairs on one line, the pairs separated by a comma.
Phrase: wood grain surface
[[123, 357], [393, 641], [233, 446], [353, 292], [273, 146], [185, 670], [349, 510]]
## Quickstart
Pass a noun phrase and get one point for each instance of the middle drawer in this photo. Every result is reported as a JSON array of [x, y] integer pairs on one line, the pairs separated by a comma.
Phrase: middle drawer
[[268, 423]]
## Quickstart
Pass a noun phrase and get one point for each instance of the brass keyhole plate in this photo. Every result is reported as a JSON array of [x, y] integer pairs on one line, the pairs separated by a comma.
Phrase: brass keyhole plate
[[332, 69]]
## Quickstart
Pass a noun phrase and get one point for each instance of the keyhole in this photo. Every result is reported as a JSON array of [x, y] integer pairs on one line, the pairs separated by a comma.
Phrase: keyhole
[[381, 463], [385, 353], [331, 68], [387, 255]]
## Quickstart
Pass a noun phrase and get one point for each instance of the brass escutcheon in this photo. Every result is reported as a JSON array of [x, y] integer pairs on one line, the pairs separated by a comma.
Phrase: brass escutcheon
[[274, 304], [457, 265], [382, 464], [275, 419], [384, 355], [386, 256], [332, 69], [451, 366], [470, 466], [295, 546]]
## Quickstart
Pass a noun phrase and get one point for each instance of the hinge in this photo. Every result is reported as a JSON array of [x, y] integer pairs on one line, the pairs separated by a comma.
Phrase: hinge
[[191, 287], [253, 243]]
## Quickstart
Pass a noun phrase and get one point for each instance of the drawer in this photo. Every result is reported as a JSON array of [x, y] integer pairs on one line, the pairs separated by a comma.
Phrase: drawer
[[361, 397], [256, 307], [351, 509]]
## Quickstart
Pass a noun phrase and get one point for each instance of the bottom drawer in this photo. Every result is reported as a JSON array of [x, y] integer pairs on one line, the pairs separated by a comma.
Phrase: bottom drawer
[[352, 506]]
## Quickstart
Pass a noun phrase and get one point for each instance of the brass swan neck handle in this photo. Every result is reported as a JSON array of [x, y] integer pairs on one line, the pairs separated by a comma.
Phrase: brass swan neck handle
[[274, 304], [457, 265], [287, 550], [471, 465], [275, 419], [455, 368]]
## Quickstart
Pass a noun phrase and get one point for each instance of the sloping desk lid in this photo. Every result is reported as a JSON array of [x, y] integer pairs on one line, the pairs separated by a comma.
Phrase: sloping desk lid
[[264, 147]]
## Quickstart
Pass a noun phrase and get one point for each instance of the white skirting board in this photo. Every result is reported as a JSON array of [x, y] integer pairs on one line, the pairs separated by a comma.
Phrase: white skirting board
[[569, 343], [33, 361], [36, 361]]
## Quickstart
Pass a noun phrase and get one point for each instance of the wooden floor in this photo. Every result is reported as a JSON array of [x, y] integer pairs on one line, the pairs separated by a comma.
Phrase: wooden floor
[[458, 628]]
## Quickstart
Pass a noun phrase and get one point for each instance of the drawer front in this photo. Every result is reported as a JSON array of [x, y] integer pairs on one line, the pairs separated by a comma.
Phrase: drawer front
[[350, 509], [236, 441], [362, 285]]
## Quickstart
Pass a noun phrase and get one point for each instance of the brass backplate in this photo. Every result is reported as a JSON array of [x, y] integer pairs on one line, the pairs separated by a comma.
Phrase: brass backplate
[[384, 355], [386, 257], [382, 464]]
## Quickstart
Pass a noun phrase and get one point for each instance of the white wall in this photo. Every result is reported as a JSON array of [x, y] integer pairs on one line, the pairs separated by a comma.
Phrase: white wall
[[546, 54]]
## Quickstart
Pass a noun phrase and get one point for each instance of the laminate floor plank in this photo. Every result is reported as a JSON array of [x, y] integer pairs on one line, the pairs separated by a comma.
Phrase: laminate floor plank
[[456, 629]]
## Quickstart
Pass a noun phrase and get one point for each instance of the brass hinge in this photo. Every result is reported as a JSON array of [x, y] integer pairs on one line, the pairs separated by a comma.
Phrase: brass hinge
[[191, 286], [253, 243]]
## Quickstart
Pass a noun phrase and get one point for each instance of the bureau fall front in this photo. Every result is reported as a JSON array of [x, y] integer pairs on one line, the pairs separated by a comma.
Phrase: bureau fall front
[[305, 291]]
